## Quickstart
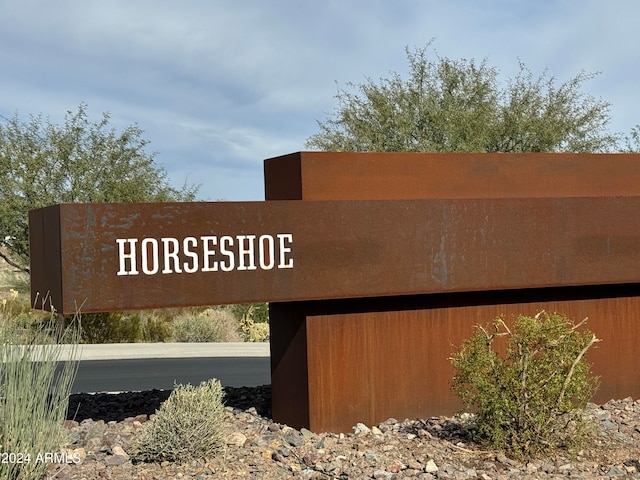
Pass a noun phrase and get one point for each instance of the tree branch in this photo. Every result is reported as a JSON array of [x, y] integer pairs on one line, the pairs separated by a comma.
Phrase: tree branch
[[573, 367], [14, 264]]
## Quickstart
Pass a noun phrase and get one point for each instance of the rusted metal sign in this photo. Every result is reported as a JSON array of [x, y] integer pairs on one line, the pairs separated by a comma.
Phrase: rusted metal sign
[[101, 257], [339, 362], [404, 176], [379, 273]]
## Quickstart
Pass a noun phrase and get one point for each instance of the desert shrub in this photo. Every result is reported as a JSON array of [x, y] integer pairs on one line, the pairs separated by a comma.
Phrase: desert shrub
[[257, 332], [35, 384], [251, 330], [24, 325], [155, 327], [111, 327], [529, 400], [189, 425], [125, 327], [259, 312], [209, 325]]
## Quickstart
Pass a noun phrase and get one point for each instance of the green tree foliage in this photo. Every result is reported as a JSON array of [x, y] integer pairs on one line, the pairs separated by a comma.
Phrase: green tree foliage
[[633, 140], [528, 394], [459, 105], [42, 163]]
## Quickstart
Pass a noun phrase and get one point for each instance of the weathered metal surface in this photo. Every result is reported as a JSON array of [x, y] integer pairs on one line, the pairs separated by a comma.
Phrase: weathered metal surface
[[437, 267], [45, 257], [363, 360], [219, 253], [397, 176], [370, 359]]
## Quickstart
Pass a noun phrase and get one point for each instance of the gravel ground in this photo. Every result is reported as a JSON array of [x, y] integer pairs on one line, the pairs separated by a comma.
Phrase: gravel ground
[[105, 426]]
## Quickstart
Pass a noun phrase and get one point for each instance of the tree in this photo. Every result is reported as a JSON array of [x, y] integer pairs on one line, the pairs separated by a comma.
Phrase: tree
[[80, 161], [458, 105]]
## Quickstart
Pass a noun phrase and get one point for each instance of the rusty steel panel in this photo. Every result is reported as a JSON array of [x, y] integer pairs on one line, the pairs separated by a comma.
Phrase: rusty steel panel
[[404, 176], [289, 368], [371, 359], [129, 256], [45, 256]]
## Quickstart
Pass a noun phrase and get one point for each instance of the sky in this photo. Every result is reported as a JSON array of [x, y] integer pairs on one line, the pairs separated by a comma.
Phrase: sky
[[219, 86]]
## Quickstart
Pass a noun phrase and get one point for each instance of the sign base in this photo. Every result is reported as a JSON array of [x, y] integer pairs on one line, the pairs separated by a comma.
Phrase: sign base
[[338, 363]]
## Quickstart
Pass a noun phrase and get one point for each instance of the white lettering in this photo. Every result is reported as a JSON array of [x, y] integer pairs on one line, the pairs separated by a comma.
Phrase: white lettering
[[209, 252], [200, 254], [269, 249], [187, 243], [171, 250], [248, 252], [56, 458], [285, 262], [226, 243], [155, 261], [131, 256]]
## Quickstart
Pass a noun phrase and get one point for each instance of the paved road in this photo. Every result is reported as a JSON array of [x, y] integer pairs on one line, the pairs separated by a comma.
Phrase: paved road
[[163, 373], [132, 367]]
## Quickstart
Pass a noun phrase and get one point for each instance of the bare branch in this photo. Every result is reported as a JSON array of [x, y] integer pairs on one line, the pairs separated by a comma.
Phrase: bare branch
[[13, 264]]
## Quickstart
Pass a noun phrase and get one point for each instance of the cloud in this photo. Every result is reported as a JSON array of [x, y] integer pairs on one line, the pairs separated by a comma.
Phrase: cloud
[[218, 86]]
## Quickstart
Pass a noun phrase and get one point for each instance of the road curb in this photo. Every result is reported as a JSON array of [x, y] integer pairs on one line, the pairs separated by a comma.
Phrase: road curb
[[121, 351]]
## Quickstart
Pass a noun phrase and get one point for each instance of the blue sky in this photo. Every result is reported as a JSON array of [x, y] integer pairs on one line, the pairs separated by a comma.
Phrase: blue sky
[[218, 86]]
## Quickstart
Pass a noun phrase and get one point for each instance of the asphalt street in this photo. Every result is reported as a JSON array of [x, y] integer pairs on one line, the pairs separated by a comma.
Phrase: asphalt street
[[137, 367]]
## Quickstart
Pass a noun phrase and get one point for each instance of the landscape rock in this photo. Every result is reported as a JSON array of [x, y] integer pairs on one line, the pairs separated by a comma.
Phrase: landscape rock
[[106, 426]]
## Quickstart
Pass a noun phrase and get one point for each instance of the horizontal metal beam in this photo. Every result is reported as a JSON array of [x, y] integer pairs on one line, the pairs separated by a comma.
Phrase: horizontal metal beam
[[101, 257], [409, 175]]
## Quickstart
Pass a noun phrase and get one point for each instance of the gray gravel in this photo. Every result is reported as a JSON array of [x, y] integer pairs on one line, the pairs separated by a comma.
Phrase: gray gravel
[[426, 449]]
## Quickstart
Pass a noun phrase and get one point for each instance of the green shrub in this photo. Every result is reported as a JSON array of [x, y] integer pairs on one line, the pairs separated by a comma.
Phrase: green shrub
[[209, 325], [530, 400], [189, 425], [163, 325], [111, 327], [253, 331], [257, 332], [259, 312], [156, 326], [34, 392], [126, 327]]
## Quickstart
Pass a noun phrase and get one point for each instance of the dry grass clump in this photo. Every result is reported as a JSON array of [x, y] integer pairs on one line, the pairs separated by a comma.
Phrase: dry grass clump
[[189, 425], [34, 392], [209, 325]]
